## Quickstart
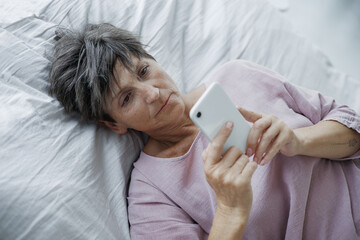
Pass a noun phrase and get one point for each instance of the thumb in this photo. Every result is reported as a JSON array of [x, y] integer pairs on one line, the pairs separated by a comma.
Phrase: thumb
[[249, 115]]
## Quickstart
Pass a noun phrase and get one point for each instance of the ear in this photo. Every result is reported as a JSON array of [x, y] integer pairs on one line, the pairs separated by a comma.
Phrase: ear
[[116, 127]]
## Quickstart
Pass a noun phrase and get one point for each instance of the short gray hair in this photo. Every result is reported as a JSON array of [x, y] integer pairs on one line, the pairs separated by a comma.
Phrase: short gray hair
[[82, 70]]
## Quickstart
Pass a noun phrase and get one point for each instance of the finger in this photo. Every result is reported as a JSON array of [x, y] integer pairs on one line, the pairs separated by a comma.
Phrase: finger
[[216, 146], [268, 137], [249, 169], [255, 134], [274, 148], [239, 165], [249, 115], [231, 156]]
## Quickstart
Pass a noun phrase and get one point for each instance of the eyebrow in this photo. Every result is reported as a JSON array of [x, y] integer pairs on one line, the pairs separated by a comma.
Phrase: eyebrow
[[132, 71]]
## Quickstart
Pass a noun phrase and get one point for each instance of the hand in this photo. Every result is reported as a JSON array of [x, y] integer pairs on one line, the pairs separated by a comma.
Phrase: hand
[[229, 175], [268, 136]]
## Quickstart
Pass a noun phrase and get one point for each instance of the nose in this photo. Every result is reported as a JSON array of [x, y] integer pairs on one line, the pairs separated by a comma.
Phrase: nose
[[150, 93]]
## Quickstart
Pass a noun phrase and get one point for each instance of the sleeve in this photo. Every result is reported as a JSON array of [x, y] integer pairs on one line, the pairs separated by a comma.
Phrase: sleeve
[[310, 103], [153, 215], [256, 81], [318, 107]]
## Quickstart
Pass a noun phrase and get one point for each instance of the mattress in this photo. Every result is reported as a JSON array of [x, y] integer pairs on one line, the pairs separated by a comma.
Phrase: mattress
[[64, 178]]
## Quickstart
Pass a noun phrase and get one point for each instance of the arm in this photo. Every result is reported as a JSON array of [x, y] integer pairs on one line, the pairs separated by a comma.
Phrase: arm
[[320, 110], [230, 177], [326, 139]]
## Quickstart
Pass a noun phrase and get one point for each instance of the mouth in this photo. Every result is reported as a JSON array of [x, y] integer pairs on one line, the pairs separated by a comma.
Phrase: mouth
[[164, 105]]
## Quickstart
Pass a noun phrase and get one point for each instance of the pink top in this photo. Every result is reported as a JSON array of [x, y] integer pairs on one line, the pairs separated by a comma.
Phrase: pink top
[[294, 197]]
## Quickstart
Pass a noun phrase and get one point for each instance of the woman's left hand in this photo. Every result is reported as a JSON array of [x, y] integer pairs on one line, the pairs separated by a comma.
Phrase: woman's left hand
[[268, 136]]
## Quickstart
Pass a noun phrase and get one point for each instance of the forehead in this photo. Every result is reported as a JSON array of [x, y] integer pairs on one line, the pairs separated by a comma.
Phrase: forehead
[[120, 68], [121, 72], [120, 75]]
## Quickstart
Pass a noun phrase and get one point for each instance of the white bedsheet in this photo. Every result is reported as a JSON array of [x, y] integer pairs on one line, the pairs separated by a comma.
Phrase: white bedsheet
[[62, 178]]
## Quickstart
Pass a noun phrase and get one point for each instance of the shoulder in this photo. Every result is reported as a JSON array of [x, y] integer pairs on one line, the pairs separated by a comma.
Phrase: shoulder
[[254, 87], [244, 67], [240, 77], [246, 74]]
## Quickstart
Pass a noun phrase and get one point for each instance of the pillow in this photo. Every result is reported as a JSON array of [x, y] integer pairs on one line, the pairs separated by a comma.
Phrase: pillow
[[63, 178]]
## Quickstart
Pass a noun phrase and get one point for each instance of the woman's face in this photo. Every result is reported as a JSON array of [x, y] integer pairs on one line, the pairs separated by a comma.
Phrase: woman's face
[[148, 102]]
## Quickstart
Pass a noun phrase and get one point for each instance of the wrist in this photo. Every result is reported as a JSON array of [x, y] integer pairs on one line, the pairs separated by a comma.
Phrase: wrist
[[228, 226], [232, 216], [302, 141]]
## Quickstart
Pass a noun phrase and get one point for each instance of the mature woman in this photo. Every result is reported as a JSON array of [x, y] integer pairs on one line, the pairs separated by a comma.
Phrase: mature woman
[[181, 185]]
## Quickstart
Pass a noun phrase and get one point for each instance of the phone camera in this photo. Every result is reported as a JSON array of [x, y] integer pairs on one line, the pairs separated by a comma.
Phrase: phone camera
[[198, 114]]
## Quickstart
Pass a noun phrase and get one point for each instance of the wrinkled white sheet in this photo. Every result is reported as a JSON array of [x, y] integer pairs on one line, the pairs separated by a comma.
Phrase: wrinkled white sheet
[[62, 178]]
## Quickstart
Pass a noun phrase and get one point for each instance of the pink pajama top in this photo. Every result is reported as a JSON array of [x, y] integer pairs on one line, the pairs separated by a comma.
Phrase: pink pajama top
[[294, 197]]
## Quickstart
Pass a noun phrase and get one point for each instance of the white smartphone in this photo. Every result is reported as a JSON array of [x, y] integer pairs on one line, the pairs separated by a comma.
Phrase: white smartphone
[[212, 110]]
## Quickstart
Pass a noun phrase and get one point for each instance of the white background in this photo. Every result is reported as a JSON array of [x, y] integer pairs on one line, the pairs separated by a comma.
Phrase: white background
[[331, 25]]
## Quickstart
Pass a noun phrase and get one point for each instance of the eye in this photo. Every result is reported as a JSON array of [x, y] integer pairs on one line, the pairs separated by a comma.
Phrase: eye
[[126, 99], [143, 71]]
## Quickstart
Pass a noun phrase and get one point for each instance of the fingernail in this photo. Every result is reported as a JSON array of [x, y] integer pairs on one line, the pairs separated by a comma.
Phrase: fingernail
[[229, 125], [249, 152], [255, 159], [262, 162]]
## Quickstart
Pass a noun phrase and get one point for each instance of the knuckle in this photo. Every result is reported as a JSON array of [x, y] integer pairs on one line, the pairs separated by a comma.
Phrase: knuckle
[[235, 150], [238, 151], [280, 124], [241, 163], [267, 138], [216, 175], [216, 146], [241, 182], [244, 158], [289, 132], [252, 166], [273, 117], [258, 125], [208, 170], [228, 180], [203, 155], [276, 146]]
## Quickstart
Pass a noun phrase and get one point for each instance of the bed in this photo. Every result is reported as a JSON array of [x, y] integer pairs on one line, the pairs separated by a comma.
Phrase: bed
[[63, 178]]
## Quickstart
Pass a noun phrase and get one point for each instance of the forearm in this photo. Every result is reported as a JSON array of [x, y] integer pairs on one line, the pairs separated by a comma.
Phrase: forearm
[[327, 139], [227, 227]]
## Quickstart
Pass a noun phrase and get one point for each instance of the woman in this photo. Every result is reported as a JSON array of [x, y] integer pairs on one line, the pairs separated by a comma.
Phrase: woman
[[181, 185]]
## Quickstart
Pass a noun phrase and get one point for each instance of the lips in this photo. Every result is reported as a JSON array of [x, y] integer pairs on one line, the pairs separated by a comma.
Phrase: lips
[[164, 105]]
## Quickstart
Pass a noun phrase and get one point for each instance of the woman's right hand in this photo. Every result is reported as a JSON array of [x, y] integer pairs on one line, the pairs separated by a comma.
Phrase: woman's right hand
[[230, 177]]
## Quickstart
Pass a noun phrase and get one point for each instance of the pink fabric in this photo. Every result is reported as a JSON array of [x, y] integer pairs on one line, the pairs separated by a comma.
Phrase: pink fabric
[[294, 198]]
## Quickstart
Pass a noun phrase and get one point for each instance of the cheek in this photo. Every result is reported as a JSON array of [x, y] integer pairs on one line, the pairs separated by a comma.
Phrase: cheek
[[138, 113], [179, 110], [138, 117]]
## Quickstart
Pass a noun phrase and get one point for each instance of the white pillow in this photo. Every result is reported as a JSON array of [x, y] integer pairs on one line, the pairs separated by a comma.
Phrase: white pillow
[[62, 178]]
